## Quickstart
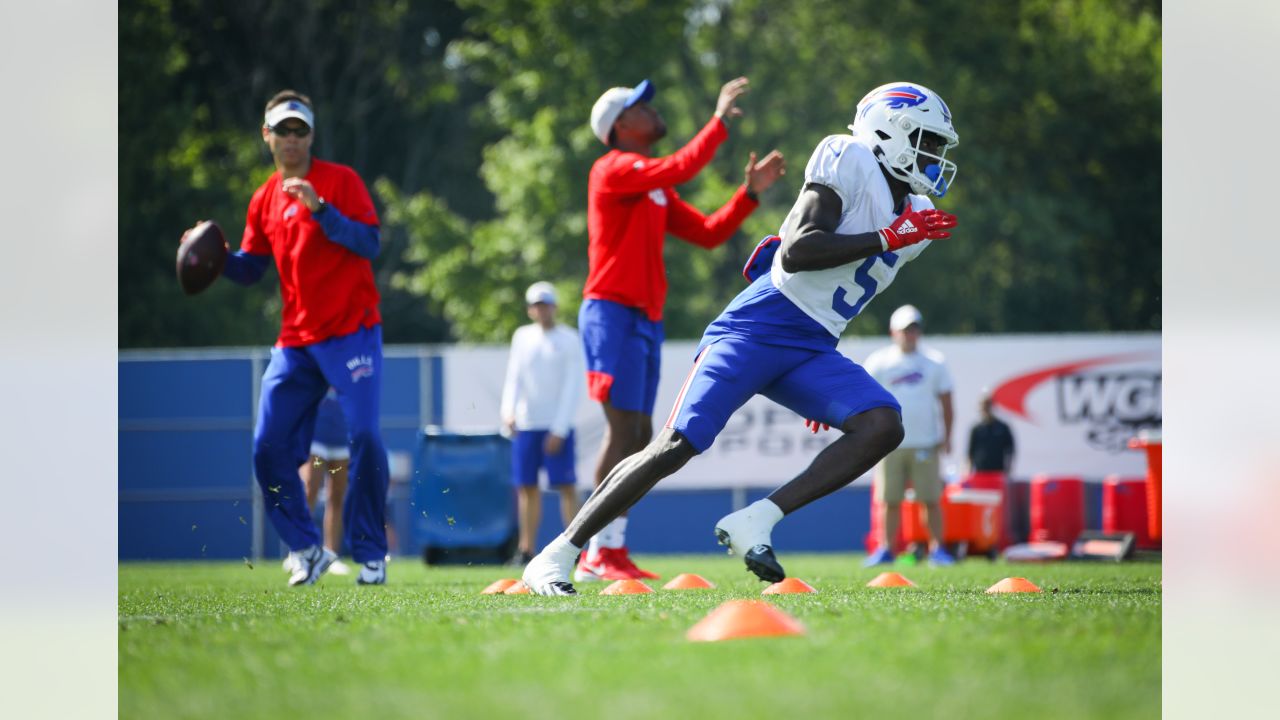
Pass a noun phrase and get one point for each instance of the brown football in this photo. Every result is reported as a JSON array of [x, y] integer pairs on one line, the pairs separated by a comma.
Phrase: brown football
[[201, 257]]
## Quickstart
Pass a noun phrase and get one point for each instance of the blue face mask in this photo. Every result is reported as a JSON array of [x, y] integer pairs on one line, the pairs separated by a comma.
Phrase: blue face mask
[[934, 173]]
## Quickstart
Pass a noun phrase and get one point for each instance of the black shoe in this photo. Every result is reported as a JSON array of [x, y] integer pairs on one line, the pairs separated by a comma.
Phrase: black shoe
[[561, 588], [760, 560]]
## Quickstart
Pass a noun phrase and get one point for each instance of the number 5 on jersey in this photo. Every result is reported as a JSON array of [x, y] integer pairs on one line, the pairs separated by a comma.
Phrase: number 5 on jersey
[[864, 278]]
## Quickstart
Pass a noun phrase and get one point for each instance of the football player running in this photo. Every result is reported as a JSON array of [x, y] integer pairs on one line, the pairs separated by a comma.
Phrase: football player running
[[863, 213]]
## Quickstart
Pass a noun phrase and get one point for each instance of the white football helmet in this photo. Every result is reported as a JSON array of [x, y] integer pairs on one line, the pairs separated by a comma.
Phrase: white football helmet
[[887, 120]]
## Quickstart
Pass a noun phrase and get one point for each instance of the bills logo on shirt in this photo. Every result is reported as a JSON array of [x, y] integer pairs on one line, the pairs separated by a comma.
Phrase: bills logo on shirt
[[293, 210], [361, 366], [658, 197], [911, 378]]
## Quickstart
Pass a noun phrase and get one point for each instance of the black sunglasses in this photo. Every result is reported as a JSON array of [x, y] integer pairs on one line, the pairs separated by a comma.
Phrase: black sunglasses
[[296, 131]]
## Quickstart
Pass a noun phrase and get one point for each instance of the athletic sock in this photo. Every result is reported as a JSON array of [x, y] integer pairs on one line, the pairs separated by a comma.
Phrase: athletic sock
[[614, 534], [562, 550], [765, 510]]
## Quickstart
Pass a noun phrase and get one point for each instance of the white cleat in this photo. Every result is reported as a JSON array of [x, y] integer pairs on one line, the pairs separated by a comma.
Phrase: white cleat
[[373, 572], [748, 527], [290, 563], [339, 568], [312, 563], [548, 572], [747, 534]]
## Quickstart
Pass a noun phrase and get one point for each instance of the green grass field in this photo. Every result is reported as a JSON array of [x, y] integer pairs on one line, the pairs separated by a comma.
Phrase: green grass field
[[226, 641]]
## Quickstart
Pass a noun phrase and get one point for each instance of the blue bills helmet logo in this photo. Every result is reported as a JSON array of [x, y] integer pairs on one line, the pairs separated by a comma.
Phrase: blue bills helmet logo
[[897, 98]]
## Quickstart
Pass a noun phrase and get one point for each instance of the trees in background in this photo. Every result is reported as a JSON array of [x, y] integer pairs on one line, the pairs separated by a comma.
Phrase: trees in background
[[469, 120]]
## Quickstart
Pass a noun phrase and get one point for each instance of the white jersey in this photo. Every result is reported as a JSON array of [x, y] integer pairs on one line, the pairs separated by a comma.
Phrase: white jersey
[[834, 296], [546, 379], [916, 379]]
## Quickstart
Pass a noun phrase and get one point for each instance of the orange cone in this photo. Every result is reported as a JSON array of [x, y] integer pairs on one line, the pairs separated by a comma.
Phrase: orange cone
[[741, 619], [626, 587], [890, 580], [518, 588], [688, 581], [1013, 585], [499, 586], [789, 585]]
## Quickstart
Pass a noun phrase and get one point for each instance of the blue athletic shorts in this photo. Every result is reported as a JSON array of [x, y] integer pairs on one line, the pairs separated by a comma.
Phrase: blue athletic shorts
[[527, 456], [820, 385], [331, 424], [624, 354]]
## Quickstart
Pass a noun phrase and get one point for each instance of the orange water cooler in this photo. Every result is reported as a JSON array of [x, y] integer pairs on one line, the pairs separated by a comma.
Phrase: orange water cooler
[[969, 515], [1150, 440]]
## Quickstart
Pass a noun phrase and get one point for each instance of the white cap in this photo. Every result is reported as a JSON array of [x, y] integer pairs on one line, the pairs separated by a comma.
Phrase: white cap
[[611, 104], [289, 109], [904, 316], [540, 292]]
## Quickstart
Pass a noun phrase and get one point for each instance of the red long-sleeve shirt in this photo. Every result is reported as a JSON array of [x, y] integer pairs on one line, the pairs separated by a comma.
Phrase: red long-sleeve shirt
[[632, 205], [327, 289]]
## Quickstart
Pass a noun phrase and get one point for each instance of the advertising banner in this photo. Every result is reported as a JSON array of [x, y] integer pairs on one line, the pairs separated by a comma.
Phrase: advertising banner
[[1071, 400]]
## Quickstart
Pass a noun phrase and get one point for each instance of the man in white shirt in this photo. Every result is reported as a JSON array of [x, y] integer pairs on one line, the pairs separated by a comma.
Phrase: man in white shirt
[[918, 377], [544, 384]]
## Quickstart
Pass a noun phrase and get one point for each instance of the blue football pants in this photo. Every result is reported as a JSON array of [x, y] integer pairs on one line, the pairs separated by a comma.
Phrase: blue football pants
[[292, 387]]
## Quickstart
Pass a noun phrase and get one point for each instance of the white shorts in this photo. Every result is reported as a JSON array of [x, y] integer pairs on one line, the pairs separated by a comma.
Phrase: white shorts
[[331, 452]]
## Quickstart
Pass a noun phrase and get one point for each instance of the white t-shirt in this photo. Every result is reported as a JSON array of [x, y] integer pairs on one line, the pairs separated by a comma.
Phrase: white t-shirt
[[916, 380], [834, 296], [546, 379]]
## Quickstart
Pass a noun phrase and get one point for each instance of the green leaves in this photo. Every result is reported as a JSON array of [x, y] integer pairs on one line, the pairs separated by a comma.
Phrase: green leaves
[[471, 117]]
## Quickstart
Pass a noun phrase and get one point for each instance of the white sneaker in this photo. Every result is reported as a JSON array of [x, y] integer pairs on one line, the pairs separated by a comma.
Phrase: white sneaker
[[312, 563], [548, 572], [339, 568], [373, 572], [290, 563]]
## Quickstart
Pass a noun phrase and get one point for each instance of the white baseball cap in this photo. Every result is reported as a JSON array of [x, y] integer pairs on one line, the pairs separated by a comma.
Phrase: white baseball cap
[[540, 292], [905, 316], [289, 109], [611, 104]]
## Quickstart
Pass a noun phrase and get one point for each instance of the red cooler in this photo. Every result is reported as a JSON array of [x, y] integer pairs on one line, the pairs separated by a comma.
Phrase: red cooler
[[1057, 509], [872, 540], [914, 527], [1124, 509], [993, 480]]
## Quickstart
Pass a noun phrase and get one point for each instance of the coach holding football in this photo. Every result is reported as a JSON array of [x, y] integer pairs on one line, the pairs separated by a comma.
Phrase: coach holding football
[[317, 221], [631, 206]]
